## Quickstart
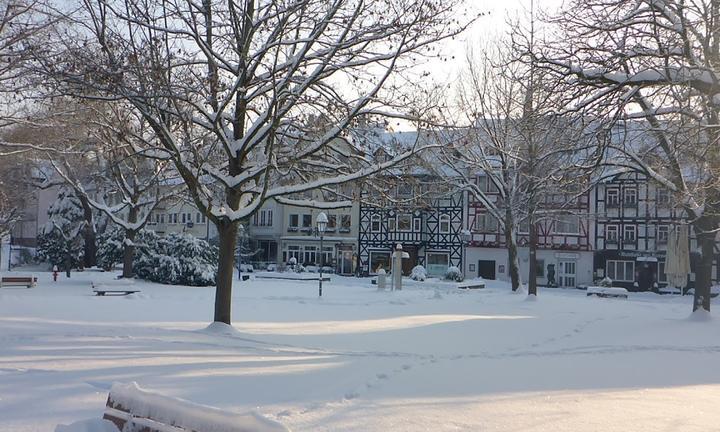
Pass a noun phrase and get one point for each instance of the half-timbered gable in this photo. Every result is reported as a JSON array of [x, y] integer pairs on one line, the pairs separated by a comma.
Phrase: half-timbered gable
[[427, 224]]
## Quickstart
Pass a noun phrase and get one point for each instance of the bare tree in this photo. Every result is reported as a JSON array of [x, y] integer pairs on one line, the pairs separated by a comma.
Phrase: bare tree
[[136, 184], [516, 140], [656, 61], [228, 89]]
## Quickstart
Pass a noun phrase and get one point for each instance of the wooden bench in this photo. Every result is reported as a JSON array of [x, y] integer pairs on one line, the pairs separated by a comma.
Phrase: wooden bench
[[112, 289], [134, 409], [607, 292], [26, 281], [472, 284]]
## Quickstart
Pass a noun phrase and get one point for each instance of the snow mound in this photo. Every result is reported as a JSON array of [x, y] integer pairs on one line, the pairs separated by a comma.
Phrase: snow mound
[[700, 315], [220, 328], [188, 415], [93, 425]]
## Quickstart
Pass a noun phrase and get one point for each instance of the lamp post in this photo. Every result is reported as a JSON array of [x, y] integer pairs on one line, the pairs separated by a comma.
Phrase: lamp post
[[321, 222], [241, 231], [465, 237]]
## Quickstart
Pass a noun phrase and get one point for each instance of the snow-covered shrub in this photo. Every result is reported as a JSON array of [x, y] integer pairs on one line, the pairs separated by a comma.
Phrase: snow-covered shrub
[[178, 259], [61, 241], [418, 273], [454, 274], [606, 282], [110, 248]]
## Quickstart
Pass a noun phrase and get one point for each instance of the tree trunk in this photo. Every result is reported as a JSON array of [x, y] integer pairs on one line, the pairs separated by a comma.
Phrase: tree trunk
[[90, 247], [128, 254], [68, 261], [129, 245], [511, 241], [532, 261], [704, 231], [227, 234]]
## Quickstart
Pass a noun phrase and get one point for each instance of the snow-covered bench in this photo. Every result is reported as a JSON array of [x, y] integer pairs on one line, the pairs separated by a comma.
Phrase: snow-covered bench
[[114, 288], [131, 408], [28, 281], [607, 291], [472, 284]]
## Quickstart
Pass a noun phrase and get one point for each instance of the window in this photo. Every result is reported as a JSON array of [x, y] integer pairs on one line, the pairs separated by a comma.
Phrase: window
[[162, 218], [611, 234], [662, 277], [328, 252], [183, 218], [404, 222], [332, 223], [663, 197], [392, 224], [291, 252], [375, 223], [524, 226], [567, 224], [309, 255], [622, 271], [437, 263], [189, 218], [485, 222], [345, 223], [540, 267], [263, 218], [197, 217], [630, 233], [379, 259], [294, 220], [307, 221], [174, 218], [662, 234], [612, 197], [630, 197], [417, 222], [444, 223], [405, 190]]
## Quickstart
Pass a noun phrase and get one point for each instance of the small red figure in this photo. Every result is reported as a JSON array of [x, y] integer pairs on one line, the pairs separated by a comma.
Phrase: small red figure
[[55, 273]]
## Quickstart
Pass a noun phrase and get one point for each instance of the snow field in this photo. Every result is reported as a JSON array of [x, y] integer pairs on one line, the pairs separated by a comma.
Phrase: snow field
[[430, 357]]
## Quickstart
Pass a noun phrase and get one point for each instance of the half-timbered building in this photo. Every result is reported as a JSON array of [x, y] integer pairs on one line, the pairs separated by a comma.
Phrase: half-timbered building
[[633, 222], [426, 224], [564, 255]]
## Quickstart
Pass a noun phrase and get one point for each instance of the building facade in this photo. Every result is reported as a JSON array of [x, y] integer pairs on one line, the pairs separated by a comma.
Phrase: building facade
[[634, 219], [429, 230], [564, 256]]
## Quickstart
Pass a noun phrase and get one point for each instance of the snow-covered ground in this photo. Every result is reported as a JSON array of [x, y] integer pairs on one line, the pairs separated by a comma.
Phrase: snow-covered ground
[[428, 358]]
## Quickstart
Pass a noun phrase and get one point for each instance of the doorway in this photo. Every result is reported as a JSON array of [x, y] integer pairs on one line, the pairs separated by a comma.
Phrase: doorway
[[344, 262], [486, 269], [566, 274]]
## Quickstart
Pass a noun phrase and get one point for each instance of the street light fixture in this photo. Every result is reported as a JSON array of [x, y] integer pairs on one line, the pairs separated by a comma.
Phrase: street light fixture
[[321, 221]]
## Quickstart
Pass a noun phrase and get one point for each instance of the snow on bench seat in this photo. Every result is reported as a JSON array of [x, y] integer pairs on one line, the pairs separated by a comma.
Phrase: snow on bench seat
[[607, 291], [131, 408], [472, 284], [116, 287]]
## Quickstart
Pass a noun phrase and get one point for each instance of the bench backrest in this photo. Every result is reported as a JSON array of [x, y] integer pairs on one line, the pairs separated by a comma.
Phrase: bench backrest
[[152, 412]]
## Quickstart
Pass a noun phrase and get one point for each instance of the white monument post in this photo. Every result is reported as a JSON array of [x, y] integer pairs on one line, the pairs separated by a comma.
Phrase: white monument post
[[397, 258]]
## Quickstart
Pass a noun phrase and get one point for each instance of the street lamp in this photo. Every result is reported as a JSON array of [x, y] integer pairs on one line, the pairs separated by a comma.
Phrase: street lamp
[[466, 238], [321, 222]]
